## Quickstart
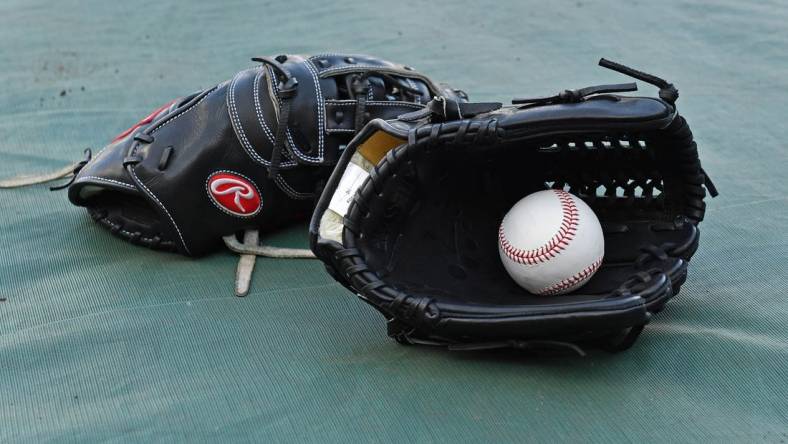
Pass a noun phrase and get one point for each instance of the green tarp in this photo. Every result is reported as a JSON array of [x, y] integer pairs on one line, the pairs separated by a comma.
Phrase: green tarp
[[104, 341]]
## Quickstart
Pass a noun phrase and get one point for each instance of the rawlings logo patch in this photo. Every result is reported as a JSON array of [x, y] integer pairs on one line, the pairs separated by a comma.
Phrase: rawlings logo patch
[[234, 194]]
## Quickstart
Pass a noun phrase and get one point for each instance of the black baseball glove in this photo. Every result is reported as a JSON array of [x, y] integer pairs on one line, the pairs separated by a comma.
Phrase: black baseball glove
[[409, 218], [249, 153]]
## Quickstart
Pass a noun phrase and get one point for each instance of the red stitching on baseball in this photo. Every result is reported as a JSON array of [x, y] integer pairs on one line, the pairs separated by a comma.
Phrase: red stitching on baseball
[[566, 232], [571, 281]]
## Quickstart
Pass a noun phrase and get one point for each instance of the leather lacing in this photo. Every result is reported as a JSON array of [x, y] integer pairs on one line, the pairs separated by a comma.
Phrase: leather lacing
[[77, 168], [287, 90], [116, 227]]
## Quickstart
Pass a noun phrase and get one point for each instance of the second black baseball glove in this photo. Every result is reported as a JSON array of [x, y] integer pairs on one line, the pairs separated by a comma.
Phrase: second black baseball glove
[[248, 153], [409, 219]]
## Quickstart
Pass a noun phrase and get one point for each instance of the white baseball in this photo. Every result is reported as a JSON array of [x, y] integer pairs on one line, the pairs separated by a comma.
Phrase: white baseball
[[551, 242]]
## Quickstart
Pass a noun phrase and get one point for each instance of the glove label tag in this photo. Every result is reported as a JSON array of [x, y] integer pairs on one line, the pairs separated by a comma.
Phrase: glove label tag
[[353, 177], [234, 194]]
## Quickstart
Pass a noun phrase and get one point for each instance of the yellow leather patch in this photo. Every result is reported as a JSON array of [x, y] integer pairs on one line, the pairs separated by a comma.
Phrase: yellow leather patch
[[377, 145]]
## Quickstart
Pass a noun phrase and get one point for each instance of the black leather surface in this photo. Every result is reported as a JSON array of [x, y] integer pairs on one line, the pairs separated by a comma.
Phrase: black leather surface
[[602, 110]]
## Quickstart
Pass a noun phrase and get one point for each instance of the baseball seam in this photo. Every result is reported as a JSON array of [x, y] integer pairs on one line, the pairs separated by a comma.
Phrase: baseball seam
[[566, 232], [571, 281]]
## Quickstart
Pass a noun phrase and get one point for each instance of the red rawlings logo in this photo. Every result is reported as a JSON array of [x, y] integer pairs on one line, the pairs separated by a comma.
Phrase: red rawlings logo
[[234, 194]]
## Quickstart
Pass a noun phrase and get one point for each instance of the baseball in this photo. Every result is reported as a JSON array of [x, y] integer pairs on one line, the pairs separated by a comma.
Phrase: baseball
[[551, 242]]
